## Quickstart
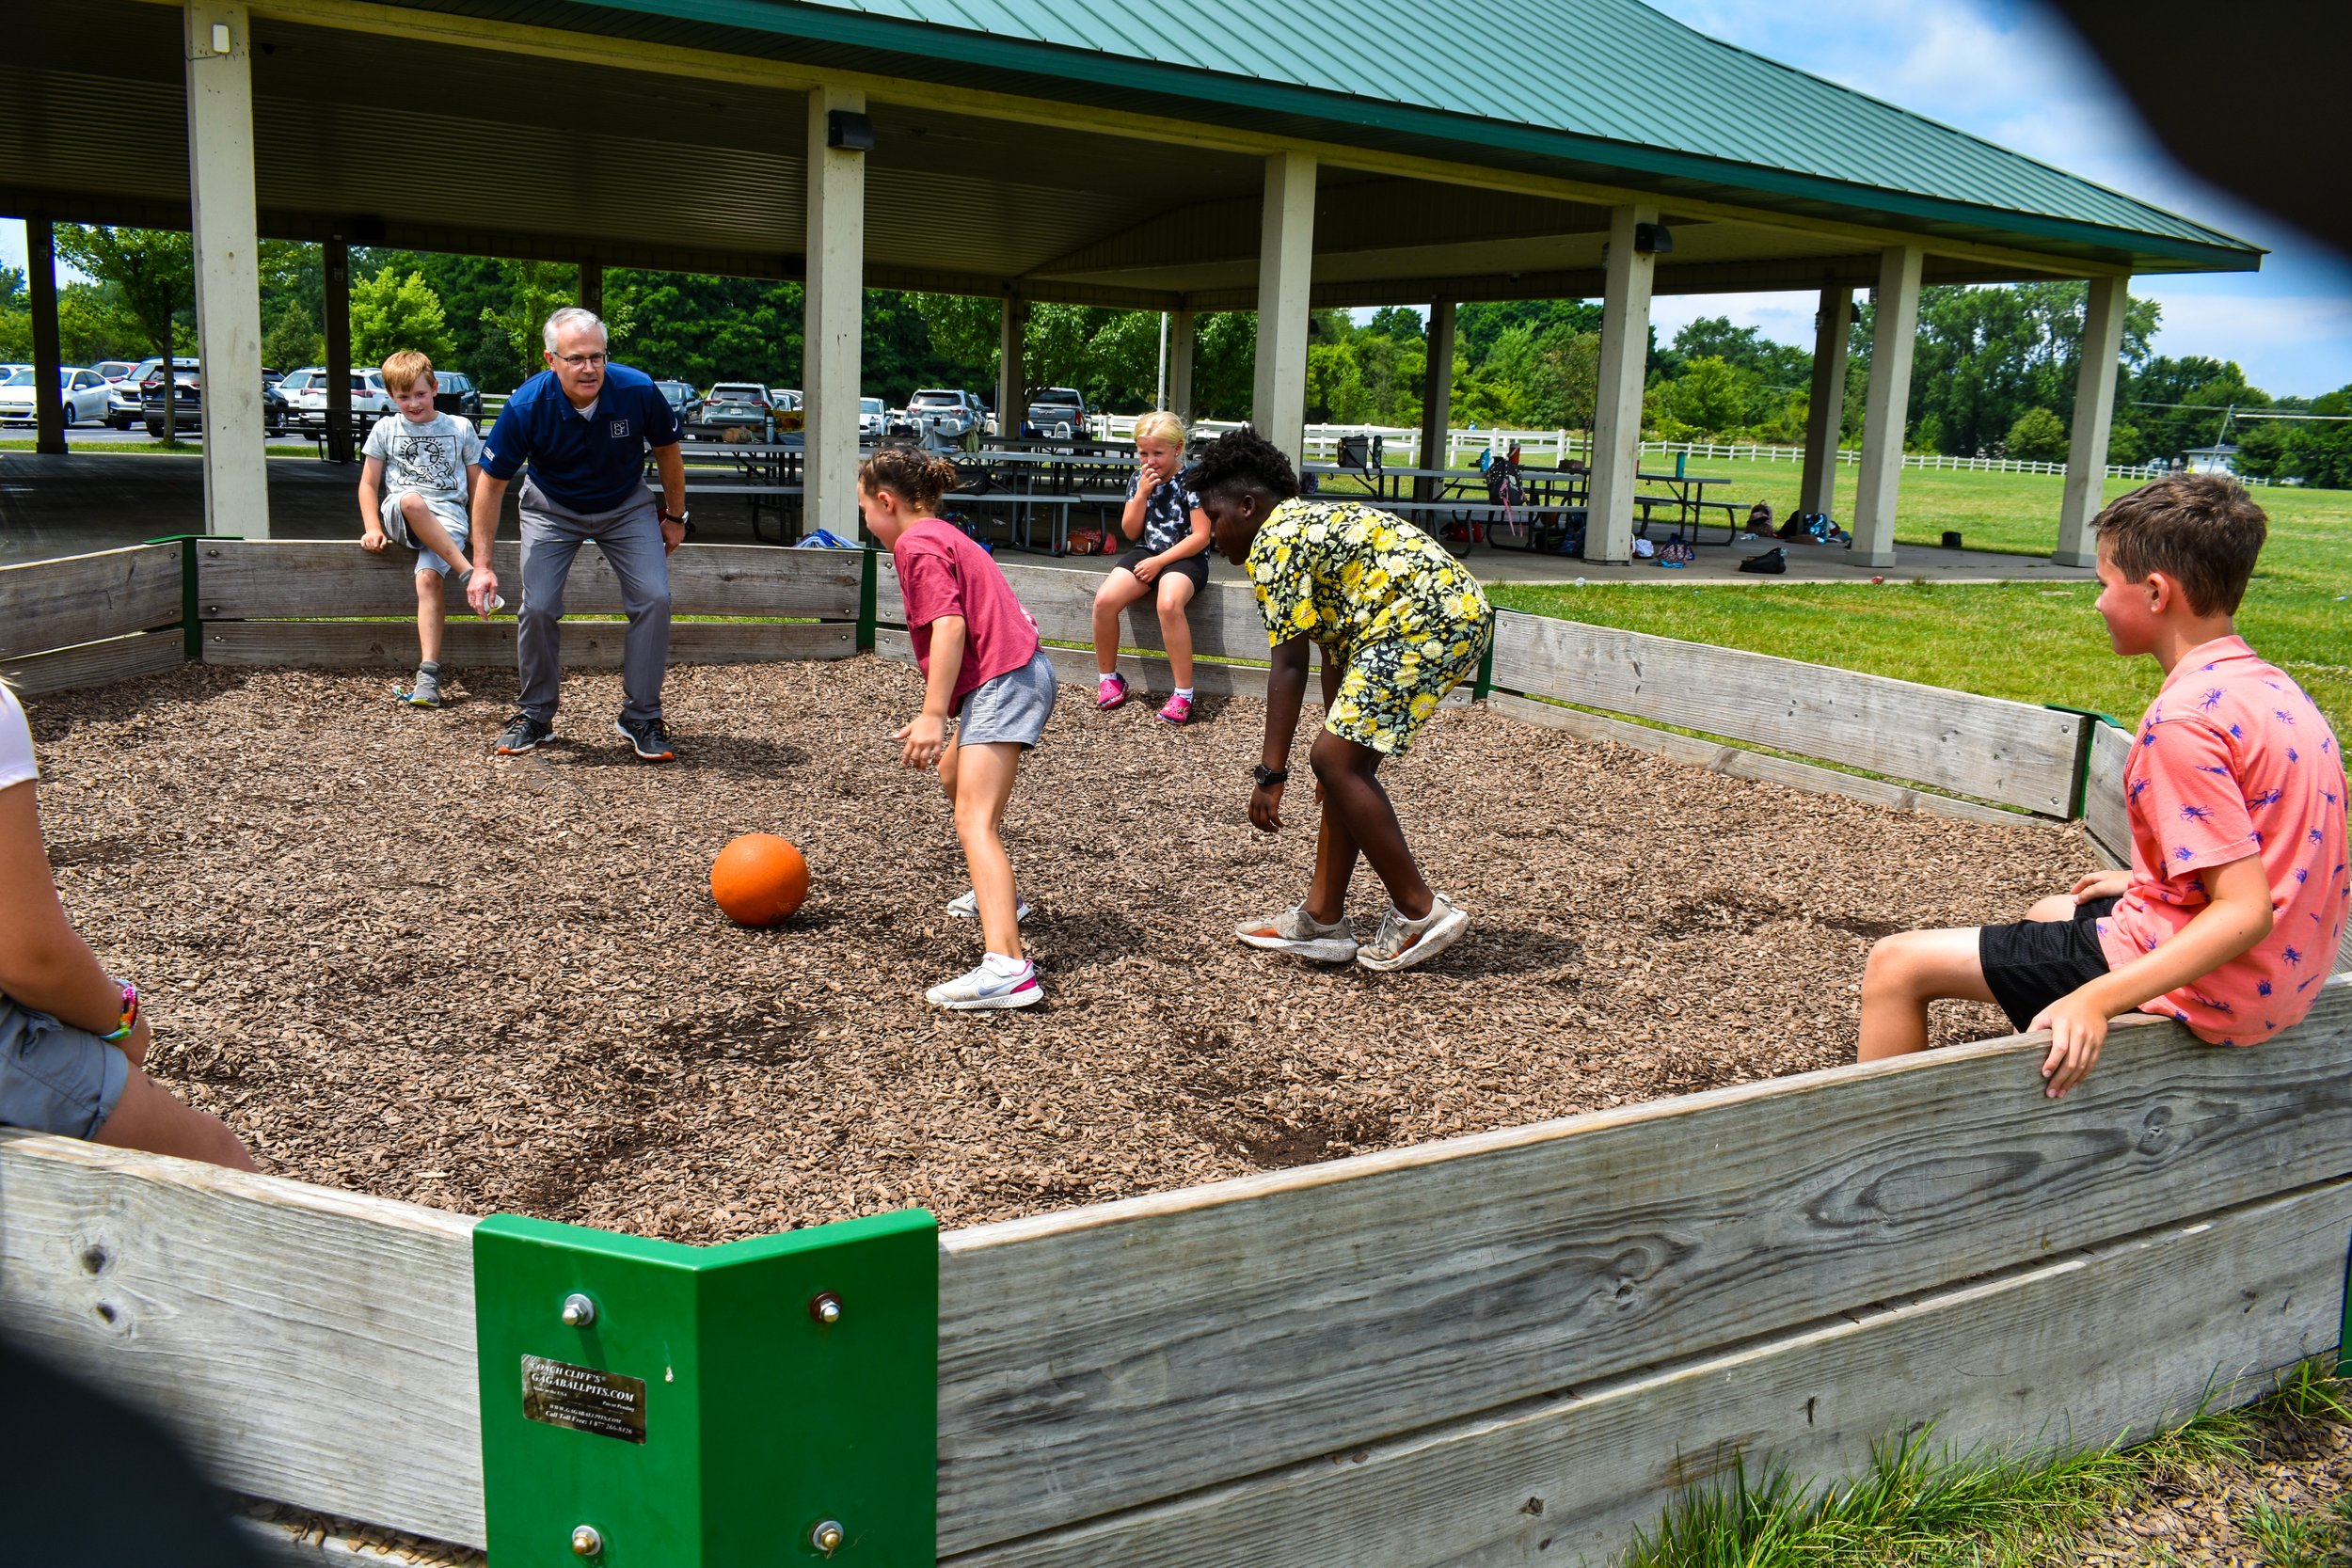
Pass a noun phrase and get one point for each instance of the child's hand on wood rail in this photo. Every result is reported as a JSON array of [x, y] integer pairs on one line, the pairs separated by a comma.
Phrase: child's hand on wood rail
[[2078, 1029]]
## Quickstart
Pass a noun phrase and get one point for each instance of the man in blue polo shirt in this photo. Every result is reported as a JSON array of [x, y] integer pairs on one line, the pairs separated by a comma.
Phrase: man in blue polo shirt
[[583, 424]]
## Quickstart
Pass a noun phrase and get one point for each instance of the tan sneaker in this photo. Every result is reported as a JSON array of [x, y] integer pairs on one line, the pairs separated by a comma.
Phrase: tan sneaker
[[1296, 932], [1402, 943]]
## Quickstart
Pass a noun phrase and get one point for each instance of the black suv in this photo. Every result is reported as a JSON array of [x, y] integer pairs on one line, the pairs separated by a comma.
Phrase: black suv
[[457, 394], [1055, 414], [188, 392]]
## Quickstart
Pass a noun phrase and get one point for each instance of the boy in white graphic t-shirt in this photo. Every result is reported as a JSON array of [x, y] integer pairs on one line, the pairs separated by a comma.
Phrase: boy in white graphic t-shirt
[[424, 462]]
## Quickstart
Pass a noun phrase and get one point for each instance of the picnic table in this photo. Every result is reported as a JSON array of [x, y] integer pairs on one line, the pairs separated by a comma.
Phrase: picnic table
[[1456, 507], [1687, 495]]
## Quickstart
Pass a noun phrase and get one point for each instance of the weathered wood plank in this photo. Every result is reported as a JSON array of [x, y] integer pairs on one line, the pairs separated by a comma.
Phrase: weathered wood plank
[[1224, 617], [84, 598], [1738, 764], [2002, 1362], [246, 579], [1074, 667], [472, 643], [142, 653], [1098, 1359], [2011, 752], [2104, 814], [315, 1347]]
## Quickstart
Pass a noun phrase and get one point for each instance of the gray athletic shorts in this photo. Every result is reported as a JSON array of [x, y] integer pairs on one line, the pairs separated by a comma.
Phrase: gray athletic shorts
[[450, 515], [1013, 706], [54, 1078]]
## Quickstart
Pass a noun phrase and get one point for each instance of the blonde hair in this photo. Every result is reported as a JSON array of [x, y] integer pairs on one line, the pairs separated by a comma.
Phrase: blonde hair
[[406, 369], [1160, 425]]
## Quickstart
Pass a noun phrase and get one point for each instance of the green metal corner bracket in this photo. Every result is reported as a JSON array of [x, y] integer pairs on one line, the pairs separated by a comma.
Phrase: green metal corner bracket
[[867, 584], [648, 1405], [191, 620], [2082, 752]]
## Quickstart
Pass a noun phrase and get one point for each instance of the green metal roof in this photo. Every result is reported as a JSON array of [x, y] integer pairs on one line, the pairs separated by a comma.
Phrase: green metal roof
[[1585, 88]]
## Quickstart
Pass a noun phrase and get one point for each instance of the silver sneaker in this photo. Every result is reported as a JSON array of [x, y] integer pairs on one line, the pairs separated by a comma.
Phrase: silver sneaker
[[966, 905], [426, 692], [1296, 932], [1402, 942]]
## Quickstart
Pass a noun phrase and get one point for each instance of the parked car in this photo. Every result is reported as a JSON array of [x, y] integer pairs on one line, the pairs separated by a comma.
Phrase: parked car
[[126, 401], [872, 417], [81, 392], [370, 402], [1055, 414], [944, 416], [782, 399], [680, 396], [115, 370], [187, 393], [732, 420], [739, 391], [457, 394]]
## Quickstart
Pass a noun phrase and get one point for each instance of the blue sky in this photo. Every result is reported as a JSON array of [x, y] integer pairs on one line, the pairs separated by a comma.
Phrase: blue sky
[[2010, 71], [2013, 73]]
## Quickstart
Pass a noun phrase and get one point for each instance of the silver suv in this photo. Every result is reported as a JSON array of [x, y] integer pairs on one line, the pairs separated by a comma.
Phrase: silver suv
[[944, 416], [306, 391]]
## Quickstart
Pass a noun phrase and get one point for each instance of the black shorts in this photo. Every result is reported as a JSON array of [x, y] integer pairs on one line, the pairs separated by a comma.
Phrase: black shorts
[[2031, 963], [1193, 567]]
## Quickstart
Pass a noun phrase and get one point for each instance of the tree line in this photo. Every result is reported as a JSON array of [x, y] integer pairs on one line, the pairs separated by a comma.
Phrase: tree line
[[1993, 368]]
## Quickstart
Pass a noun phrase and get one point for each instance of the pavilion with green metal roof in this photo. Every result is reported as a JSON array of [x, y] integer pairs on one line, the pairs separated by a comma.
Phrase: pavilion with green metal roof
[[1219, 156]]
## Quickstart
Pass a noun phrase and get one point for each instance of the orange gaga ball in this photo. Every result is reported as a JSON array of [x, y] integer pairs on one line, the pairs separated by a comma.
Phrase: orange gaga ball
[[760, 879]]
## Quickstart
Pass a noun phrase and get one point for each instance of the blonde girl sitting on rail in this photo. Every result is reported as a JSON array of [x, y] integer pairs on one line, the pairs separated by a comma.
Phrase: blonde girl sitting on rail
[[1169, 564]]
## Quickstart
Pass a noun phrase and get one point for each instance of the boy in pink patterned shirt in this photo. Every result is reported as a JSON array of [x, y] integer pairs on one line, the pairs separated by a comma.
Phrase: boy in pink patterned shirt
[[2235, 906]]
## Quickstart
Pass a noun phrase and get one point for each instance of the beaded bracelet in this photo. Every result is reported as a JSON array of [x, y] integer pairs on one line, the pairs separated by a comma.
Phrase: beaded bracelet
[[130, 1015]]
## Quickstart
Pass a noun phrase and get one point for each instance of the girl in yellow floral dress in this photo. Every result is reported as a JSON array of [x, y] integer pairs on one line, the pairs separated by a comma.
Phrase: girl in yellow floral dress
[[1401, 624]]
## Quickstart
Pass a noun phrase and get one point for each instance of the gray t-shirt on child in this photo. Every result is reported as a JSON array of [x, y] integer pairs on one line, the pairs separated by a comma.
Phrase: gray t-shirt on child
[[429, 459]]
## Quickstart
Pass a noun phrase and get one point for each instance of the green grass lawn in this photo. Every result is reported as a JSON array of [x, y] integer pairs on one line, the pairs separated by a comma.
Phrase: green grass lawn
[[2036, 643]]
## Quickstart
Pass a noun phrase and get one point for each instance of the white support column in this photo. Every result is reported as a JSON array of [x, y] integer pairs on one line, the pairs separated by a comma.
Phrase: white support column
[[1437, 396], [1888, 404], [1624, 366], [335, 268], [1180, 344], [41, 274], [1012, 381], [830, 332], [2094, 420], [1833, 325], [227, 267], [1285, 263]]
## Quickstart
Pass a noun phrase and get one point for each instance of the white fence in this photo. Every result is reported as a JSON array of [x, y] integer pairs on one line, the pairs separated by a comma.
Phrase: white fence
[[1401, 448]]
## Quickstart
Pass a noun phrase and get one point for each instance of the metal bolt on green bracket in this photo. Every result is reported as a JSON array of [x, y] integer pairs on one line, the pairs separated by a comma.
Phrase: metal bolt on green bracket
[[646, 1404]]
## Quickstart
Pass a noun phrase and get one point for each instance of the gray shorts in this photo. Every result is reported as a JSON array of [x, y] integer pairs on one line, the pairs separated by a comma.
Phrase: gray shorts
[[1013, 706], [450, 515], [54, 1078]]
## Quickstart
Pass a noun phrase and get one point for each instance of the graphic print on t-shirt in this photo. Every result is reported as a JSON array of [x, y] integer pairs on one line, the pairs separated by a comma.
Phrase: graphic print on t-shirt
[[426, 462]]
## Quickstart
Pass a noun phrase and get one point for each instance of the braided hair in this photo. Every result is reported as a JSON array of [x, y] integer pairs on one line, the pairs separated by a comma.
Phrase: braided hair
[[917, 477], [1244, 460]]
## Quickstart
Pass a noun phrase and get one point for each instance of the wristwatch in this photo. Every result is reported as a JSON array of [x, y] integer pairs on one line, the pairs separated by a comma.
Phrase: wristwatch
[[1269, 777], [683, 519]]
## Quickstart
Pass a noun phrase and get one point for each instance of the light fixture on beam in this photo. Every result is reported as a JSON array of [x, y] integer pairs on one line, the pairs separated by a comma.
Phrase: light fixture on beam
[[1653, 239], [849, 130]]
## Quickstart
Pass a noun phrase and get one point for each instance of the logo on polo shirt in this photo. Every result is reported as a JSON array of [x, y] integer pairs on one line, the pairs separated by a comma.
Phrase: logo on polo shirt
[[620, 430]]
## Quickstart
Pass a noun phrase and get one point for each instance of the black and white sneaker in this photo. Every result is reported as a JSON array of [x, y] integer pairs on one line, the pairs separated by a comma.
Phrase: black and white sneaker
[[523, 734], [647, 737]]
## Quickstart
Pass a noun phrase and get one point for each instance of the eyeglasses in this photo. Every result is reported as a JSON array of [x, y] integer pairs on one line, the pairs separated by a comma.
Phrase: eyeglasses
[[577, 360]]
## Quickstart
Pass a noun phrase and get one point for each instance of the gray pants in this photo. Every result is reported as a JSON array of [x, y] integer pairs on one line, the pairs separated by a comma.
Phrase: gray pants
[[631, 537]]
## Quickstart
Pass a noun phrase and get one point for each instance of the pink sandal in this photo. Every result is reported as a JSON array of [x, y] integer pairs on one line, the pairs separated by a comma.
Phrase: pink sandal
[[1109, 691], [1178, 710]]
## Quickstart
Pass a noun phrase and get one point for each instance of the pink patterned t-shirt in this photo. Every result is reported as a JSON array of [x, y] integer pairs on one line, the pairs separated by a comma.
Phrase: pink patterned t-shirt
[[2233, 760]]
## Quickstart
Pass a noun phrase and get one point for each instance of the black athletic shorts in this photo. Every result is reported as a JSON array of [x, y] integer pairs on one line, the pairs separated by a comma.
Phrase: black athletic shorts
[[1193, 567], [2032, 964]]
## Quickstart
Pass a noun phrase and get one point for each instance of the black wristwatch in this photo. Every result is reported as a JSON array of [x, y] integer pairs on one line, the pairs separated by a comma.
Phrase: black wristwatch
[[1269, 777]]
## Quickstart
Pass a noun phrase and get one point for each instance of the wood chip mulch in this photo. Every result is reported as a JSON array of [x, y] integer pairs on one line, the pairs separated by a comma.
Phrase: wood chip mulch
[[400, 964]]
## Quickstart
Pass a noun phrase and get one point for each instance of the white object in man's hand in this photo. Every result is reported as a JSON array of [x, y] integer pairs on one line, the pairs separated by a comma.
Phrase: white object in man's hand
[[481, 591]]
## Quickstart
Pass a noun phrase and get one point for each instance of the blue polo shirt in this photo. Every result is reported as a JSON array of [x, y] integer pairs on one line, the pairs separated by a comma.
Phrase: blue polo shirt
[[591, 465]]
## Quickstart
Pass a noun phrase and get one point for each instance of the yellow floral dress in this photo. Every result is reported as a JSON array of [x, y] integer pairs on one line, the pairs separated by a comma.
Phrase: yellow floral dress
[[1409, 622]]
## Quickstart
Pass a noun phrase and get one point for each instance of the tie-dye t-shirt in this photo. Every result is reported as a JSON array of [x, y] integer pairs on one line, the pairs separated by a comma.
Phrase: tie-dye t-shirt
[[2233, 760]]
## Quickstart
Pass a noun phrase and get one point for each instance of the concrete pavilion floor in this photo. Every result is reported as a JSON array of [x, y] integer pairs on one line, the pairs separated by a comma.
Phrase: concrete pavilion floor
[[53, 506]]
